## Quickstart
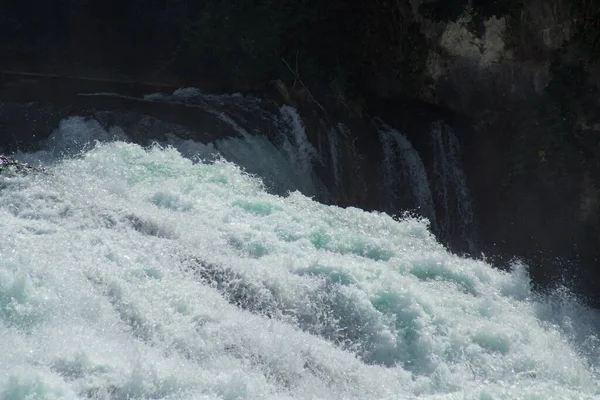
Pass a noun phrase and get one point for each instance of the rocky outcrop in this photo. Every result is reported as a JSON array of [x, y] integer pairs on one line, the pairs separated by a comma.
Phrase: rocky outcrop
[[526, 77]]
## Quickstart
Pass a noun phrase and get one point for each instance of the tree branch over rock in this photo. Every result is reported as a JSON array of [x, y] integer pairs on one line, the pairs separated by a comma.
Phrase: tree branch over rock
[[296, 75]]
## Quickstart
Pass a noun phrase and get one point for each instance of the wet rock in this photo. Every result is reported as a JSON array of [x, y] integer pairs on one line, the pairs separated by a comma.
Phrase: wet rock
[[10, 165]]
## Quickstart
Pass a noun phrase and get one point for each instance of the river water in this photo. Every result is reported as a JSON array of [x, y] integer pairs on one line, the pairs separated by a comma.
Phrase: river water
[[138, 273]]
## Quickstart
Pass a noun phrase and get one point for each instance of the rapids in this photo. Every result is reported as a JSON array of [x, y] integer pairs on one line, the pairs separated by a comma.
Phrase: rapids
[[137, 273]]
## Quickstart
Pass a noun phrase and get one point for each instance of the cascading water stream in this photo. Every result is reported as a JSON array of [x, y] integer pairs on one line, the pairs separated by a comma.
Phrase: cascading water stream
[[403, 170], [284, 162], [333, 139], [271, 142], [452, 192]]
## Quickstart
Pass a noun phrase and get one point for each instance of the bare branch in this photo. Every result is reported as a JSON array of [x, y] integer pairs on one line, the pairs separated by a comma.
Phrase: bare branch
[[297, 78]]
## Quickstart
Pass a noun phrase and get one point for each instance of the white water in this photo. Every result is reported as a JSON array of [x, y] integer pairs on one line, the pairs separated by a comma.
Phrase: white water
[[284, 160], [287, 166], [284, 168], [127, 273]]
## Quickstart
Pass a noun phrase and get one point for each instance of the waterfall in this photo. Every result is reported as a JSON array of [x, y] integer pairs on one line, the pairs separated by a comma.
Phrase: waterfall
[[299, 151], [401, 160], [326, 160], [451, 190], [334, 151], [272, 143]]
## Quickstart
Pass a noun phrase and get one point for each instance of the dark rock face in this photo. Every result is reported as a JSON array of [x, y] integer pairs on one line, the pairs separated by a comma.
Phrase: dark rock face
[[528, 82], [518, 81]]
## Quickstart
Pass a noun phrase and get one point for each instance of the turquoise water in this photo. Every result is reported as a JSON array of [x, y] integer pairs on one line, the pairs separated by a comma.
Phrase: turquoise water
[[135, 273]]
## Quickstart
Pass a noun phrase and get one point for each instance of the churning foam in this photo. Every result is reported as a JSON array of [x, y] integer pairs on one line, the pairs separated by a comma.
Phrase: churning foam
[[135, 273]]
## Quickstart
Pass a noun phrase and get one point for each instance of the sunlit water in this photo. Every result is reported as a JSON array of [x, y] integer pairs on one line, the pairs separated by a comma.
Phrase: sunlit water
[[135, 273]]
